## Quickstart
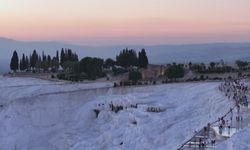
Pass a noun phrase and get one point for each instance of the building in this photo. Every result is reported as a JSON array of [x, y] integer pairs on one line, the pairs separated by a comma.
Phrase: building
[[153, 72]]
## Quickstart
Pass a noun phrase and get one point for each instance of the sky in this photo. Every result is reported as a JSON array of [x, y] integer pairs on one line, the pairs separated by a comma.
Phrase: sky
[[116, 22]]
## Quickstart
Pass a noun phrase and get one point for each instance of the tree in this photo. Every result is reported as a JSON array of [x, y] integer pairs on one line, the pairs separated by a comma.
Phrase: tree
[[49, 61], [26, 63], [34, 59], [175, 71], [135, 75], [143, 59], [127, 58], [38, 63], [14, 62], [200, 68], [93, 67], [241, 64], [49, 58], [54, 64], [212, 65], [22, 63], [44, 57], [57, 56], [62, 57], [75, 57], [69, 66], [69, 55], [190, 65], [109, 63], [45, 66]]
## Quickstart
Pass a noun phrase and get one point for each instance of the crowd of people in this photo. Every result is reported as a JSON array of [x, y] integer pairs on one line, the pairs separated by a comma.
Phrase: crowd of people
[[235, 90], [110, 106], [155, 109]]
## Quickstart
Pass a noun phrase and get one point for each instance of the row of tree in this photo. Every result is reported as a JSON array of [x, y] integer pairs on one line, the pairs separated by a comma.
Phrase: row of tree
[[92, 67], [242, 65], [175, 71], [34, 62], [88, 67], [128, 57], [44, 62], [214, 67], [68, 55]]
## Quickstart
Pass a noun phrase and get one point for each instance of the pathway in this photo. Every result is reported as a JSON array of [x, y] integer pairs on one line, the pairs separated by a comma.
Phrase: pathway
[[227, 125]]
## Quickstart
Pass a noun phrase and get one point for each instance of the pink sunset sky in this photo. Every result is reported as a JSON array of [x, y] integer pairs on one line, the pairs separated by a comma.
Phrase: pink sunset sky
[[113, 22]]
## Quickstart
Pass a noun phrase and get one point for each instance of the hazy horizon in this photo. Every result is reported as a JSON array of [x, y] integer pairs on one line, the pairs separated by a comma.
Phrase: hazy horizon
[[125, 45], [158, 54], [112, 22], [169, 30]]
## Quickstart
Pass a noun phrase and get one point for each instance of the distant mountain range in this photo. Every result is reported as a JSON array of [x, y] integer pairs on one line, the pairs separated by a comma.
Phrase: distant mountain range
[[158, 54]]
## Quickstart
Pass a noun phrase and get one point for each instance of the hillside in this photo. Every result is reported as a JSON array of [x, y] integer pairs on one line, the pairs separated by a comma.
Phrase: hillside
[[36, 113]]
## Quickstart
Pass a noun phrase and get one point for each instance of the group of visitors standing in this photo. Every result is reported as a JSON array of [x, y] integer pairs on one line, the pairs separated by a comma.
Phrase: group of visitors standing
[[235, 90]]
